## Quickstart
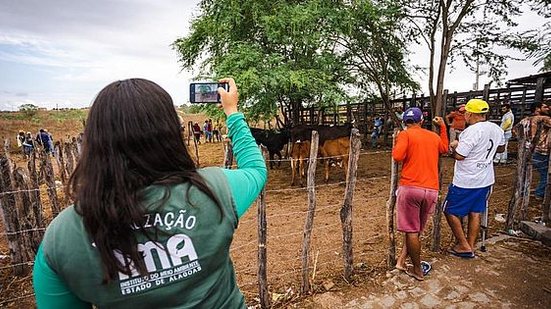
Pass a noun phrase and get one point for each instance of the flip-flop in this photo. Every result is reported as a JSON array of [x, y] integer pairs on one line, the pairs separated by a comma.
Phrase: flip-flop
[[400, 268], [414, 276], [463, 255], [426, 267]]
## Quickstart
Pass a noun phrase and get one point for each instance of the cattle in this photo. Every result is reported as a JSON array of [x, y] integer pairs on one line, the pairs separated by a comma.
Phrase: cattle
[[334, 142], [300, 152], [274, 141]]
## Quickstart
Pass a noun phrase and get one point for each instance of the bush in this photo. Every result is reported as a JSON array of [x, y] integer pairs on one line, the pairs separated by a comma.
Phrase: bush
[[29, 110]]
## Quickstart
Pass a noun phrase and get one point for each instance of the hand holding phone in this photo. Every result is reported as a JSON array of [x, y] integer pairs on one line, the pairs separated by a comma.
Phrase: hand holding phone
[[229, 96], [206, 92]]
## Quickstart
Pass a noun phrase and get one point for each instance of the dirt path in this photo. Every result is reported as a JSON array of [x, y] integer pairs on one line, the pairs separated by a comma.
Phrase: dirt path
[[513, 273]]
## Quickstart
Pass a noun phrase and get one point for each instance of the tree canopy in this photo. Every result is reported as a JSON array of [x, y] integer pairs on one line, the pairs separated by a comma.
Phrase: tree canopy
[[296, 53]]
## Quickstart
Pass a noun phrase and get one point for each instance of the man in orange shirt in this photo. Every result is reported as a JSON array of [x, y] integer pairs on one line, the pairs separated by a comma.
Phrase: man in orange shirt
[[418, 149], [456, 119]]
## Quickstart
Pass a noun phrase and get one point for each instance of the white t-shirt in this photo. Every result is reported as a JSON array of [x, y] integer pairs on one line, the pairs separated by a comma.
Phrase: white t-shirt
[[478, 144], [508, 115]]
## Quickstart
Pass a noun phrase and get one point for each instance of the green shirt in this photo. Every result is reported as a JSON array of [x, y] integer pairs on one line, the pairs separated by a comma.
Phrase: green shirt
[[188, 264]]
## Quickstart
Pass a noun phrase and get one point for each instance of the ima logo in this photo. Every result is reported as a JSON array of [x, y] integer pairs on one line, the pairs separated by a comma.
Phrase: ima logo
[[178, 250]]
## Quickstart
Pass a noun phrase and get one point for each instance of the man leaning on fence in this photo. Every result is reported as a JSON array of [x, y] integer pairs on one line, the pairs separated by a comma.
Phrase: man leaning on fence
[[418, 149], [540, 158], [473, 176]]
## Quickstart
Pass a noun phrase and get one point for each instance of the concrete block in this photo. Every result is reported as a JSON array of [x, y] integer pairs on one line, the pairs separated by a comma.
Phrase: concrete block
[[537, 231]]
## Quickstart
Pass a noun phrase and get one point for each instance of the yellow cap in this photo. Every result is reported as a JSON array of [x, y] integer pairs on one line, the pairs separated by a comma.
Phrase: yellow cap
[[477, 106]]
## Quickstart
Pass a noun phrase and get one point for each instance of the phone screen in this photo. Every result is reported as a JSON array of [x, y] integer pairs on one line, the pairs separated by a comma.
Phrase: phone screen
[[205, 92]]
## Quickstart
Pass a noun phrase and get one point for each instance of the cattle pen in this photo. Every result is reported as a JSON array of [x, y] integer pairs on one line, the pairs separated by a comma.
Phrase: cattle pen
[[299, 240], [520, 93]]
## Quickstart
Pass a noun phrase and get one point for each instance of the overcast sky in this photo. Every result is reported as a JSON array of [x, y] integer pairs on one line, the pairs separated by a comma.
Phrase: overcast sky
[[62, 52]]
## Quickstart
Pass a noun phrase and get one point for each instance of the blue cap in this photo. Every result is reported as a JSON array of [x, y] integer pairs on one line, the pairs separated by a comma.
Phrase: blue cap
[[413, 114]]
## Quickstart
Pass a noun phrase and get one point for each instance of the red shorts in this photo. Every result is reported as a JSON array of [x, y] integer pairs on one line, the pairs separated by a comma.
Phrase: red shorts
[[414, 205]]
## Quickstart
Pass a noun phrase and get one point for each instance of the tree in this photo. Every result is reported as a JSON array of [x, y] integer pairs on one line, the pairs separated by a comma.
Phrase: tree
[[536, 43], [471, 30], [298, 53], [29, 110], [277, 51], [373, 47]]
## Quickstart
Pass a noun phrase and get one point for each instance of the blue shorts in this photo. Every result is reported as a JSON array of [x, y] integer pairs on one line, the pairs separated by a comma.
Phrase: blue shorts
[[460, 201]]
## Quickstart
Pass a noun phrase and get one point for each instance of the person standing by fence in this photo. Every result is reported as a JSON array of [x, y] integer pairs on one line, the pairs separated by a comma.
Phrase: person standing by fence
[[540, 158], [148, 229], [456, 120], [418, 149], [473, 176], [507, 121], [197, 132]]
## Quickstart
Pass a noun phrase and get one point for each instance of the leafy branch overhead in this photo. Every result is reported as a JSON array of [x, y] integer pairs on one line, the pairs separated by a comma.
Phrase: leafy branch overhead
[[289, 53]]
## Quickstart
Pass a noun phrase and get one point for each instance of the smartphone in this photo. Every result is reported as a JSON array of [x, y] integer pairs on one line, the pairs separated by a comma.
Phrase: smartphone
[[206, 92]]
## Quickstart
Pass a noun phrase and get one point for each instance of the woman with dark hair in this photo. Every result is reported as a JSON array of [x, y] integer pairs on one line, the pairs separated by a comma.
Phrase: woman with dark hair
[[148, 228]]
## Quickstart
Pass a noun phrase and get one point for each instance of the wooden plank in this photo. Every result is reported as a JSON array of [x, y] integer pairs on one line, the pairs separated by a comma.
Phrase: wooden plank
[[390, 209], [305, 285], [262, 254], [346, 210], [539, 89]]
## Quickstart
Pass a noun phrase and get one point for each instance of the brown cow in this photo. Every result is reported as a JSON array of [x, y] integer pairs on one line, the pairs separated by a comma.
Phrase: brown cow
[[334, 145], [336, 149], [300, 152]]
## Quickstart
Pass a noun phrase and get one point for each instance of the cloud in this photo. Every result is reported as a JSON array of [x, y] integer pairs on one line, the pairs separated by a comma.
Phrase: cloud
[[64, 52]]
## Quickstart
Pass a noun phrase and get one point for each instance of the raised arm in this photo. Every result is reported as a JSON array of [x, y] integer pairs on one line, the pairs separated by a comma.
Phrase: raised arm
[[249, 178]]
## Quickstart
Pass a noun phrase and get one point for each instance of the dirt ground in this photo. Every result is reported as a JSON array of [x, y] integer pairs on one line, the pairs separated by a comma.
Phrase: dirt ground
[[286, 213]]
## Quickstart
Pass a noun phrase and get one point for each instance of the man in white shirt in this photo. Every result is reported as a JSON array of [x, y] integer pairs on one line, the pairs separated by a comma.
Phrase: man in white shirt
[[507, 121], [473, 175]]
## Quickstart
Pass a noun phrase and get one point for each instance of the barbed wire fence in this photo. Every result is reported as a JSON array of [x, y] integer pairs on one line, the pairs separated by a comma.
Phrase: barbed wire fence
[[284, 265]]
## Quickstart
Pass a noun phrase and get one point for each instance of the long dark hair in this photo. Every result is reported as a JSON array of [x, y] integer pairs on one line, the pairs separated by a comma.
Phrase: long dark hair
[[132, 140]]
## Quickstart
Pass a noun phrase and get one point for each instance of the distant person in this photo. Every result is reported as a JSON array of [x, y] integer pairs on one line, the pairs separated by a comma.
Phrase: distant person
[[197, 132], [456, 120], [50, 142], [378, 123], [216, 132], [148, 229], [507, 121], [418, 149], [20, 138], [473, 176], [43, 139], [28, 145], [207, 131], [210, 129]]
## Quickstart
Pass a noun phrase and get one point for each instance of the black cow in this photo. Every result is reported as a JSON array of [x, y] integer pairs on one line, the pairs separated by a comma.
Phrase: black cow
[[304, 132], [273, 140]]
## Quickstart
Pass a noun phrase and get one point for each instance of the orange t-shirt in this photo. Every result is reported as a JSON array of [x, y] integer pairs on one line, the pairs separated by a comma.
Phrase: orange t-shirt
[[457, 120], [419, 150]]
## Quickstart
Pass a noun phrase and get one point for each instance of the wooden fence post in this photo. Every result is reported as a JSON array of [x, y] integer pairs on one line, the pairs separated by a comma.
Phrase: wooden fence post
[[30, 214], [60, 161], [75, 149], [547, 198], [262, 256], [48, 172], [69, 159], [228, 153], [528, 170], [305, 287], [346, 210], [518, 183], [8, 212], [390, 206]]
